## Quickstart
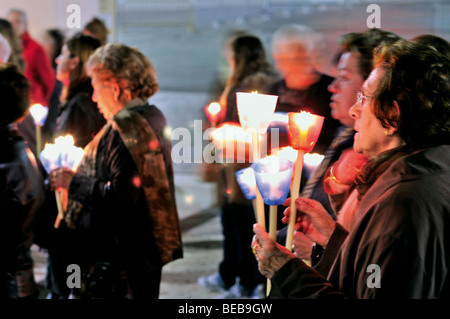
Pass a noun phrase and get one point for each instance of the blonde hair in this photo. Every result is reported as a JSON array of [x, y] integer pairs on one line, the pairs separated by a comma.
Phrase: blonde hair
[[127, 66]]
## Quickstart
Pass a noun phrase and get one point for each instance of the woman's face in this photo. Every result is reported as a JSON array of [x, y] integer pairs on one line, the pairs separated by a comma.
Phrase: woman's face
[[345, 88], [371, 138], [105, 95], [65, 64]]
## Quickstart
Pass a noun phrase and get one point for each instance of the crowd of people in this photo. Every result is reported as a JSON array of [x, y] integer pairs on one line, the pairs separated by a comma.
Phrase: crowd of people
[[378, 201]]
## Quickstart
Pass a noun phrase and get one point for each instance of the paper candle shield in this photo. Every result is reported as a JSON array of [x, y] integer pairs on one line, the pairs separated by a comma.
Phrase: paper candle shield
[[232, 143], [61, 154], [255, 111], [273, 179], [39, 114], [247, 182], [304, 130]]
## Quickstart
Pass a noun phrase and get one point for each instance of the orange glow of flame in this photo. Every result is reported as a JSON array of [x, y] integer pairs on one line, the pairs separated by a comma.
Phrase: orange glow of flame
[[214, 108]]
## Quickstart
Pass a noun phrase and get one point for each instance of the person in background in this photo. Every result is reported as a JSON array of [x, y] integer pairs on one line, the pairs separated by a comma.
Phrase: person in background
[[440, 44], [37, 64], [5, 49], [402, 119], [122, 198], [16, 55], [96, 28], [21, 188], [52, 43], [238, 275], [296, 50], [79, 116]]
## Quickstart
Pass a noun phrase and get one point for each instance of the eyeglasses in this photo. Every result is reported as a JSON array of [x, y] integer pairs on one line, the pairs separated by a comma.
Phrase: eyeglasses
[[361, 97]]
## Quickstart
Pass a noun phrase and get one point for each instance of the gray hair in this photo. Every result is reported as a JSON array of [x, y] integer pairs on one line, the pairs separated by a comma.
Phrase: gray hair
[[5, 49], [303, 35], [311, 40], [21, 12]]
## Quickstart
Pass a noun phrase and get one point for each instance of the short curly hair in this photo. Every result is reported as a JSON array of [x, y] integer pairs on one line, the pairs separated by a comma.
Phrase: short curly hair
[[15, 93], [127, 66], [417, 79]]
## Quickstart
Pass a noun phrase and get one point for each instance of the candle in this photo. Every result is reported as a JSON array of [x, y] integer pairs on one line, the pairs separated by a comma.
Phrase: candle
[[212, 112], [39, 114], [255, 112], [247, 182], [286, 152], [273, 178], [61, 154], [232, 142], [304, 130], [311, 162]]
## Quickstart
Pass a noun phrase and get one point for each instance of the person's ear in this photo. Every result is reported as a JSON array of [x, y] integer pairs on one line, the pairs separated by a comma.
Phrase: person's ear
[[116, 90]]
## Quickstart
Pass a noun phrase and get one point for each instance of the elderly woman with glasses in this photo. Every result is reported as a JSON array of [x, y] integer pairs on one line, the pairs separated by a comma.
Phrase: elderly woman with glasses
[[122, 196], [398, 247]]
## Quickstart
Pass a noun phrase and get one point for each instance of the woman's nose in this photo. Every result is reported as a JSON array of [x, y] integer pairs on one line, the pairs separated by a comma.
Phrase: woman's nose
[[333, 87], [354, 110]]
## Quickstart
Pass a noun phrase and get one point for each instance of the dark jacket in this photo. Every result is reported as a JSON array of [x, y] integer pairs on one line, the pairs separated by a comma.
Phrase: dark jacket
[[21, 194], [401, 234], [115, 219], [80, 117]]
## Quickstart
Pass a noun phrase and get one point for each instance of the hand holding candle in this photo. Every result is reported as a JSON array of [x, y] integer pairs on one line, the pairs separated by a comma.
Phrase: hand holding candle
[[273, 178], [61, 160], [304, 130]]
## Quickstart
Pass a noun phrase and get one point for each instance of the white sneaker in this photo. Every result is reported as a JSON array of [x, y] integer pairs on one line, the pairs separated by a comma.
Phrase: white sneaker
[[213, 282]]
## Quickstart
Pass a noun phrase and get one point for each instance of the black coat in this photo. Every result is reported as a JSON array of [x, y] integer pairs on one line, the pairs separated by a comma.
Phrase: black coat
[[401, 233], [80, 118], [21, 194], [115, 219]]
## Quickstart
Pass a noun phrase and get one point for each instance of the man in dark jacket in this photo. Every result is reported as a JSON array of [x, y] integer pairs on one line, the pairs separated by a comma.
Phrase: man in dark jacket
[[21, 189]]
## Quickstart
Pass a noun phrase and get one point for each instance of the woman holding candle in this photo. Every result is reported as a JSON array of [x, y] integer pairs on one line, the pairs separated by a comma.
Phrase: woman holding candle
[[122, 197], [398, 246], [354, 66], [251, 71], [21, 186]]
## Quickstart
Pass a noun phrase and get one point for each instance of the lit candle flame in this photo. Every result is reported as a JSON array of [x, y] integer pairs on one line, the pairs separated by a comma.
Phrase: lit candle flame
[[214, 108], [287, 152], [39, 114], [304, 120]]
